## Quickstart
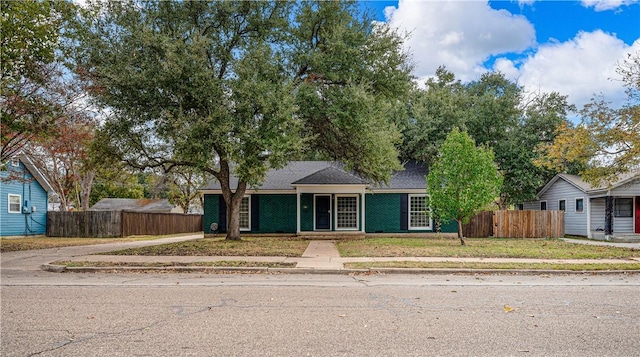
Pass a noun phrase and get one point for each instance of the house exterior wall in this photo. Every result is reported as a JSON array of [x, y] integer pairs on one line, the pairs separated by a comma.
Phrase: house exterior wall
[[575, 222], [26, 222], [276, 213], [620, 224]]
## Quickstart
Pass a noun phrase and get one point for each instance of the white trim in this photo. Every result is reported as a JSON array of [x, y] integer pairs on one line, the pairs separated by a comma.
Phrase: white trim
[[245, 229], [298, 212], [565, 204], [314, 213], [430, 227], [588, 201], [252, 192], [9, 196], [546, 206], [575, 209], [357, 227]]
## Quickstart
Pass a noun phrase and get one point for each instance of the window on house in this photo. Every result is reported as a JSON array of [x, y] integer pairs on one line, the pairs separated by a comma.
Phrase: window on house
[[15, 162], [579, 205], [15, 203], [543, 205], [562, 205], [245, 214], [520, 207], [623, 207], [347, 212], [419, 212]]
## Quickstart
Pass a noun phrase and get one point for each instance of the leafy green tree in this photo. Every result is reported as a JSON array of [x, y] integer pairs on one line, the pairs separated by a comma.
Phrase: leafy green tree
[[463, 179], [496, 113], [239, 87], [33, 92]]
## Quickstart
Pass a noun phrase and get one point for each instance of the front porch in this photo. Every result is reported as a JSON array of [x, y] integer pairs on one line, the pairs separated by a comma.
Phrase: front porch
[[616, 237]]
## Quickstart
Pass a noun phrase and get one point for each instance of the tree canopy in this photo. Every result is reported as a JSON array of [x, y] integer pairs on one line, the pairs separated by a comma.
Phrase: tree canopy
[[239, 87], [462, 180]]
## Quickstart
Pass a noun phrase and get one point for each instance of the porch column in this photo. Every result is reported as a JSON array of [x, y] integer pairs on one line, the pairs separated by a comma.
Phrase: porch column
[[362, 208], [587, 201], [297, 211], [608, 216]]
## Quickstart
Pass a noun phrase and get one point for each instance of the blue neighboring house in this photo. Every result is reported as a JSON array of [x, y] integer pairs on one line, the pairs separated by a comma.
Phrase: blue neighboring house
[[24, 193]]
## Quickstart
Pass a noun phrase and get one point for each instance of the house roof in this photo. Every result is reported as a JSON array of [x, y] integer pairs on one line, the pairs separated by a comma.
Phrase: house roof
[[42, 180], [330, 176], [330, 173], [132, 204], [585, 187]]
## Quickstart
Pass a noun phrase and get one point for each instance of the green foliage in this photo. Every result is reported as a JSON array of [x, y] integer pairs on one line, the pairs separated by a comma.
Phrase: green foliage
[[239, 87], [463, 179], [497, 114]]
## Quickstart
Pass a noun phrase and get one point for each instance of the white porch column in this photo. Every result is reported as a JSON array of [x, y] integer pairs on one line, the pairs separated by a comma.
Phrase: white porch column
[[364, 218], [297, 211]]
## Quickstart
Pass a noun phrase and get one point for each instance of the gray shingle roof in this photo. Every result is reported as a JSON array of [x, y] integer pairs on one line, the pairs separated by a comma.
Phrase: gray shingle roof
[[331, 173], [330, 176], [132, 204]]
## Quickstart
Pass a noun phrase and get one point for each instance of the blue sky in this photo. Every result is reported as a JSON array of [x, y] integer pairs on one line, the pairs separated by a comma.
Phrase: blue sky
[[570, 47]]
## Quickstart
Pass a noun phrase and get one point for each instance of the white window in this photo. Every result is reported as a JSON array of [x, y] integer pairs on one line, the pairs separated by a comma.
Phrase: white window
[[419, 217], [15, 203], [245, 214], [346, 212], [579, 205]]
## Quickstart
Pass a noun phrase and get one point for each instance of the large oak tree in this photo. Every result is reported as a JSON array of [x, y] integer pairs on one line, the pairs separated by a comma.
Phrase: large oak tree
[[239, 87]]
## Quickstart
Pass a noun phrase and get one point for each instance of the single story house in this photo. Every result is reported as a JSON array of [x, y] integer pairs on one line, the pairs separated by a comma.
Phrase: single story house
[[24, 193], [141, 205], [600, 212], [322, 198]]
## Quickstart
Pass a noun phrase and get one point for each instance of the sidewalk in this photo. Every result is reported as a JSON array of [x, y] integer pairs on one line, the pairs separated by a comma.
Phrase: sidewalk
[[321, 256]]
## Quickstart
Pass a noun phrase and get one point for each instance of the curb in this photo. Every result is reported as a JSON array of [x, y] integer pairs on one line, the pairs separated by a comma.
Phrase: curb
[[261, 270]]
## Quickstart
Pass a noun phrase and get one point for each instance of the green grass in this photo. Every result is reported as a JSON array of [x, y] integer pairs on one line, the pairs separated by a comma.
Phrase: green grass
[[219, 264], [262, 246], [503, 266], [16, 244], [480, 248]]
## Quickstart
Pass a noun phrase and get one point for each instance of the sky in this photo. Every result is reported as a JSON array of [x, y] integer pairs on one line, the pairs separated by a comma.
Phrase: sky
[[569, 47]]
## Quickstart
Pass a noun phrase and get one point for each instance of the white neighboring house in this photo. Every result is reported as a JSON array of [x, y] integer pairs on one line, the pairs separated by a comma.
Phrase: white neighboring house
[[586, 206]]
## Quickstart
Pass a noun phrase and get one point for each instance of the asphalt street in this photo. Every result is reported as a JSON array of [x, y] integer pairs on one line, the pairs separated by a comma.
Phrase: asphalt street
[[52, 314]]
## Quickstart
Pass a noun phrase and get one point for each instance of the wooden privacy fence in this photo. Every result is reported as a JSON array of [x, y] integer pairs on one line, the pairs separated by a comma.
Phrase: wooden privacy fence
[[515, 224], [99, 224], [528, 224]]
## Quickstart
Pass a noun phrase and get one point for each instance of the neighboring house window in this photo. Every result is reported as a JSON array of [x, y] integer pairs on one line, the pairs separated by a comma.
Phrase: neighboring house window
[[347, 212], [562, 205], [245, 214], [579, 205], [623, 207], [543, 205], [520, 206], [418, 212], [15, 203], [15, 162]]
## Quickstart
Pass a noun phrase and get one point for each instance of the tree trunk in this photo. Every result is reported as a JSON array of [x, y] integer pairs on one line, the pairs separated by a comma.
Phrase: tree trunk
[[460, 234], [232, 200]]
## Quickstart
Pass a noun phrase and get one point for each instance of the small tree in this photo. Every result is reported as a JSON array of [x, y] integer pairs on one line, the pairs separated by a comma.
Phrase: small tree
[[463, 179]]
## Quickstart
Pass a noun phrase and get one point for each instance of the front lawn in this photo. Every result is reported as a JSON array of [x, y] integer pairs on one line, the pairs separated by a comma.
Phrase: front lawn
[[479, 248], [16, 244], [259, 246]]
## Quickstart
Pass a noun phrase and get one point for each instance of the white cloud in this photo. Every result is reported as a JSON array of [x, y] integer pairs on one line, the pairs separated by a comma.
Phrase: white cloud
[[462, 35], [604, 5], [580, 68], [458, 34]]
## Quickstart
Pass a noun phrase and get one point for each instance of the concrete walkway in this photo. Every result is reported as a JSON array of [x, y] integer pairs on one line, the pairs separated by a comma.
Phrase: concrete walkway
[[320, 256]]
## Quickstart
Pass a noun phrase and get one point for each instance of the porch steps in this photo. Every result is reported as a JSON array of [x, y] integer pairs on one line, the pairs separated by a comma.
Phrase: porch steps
[[331, 235]]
